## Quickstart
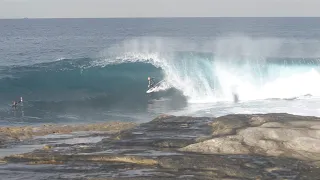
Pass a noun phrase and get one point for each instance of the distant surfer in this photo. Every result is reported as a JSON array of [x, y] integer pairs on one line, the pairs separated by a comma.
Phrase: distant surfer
[[15, 103], [151, 82], [235, 94], [235, 98]]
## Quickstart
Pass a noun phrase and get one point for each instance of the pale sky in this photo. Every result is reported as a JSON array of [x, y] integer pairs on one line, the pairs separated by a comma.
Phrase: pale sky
[[156, 8]]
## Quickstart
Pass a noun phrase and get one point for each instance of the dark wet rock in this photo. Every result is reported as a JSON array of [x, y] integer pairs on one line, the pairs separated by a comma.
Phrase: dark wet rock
[[190, 166], [164, 132], [271, 135], [159, 150]]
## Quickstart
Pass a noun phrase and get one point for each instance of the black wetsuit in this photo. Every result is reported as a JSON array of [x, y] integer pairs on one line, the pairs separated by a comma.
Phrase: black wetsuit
[[14, 105]]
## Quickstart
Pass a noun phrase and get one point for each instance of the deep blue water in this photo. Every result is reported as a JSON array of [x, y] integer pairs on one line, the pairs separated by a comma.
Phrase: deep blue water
[[88, 70]]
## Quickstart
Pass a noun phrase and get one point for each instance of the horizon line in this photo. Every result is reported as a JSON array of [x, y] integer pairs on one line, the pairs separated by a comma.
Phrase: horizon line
[[173, 17]]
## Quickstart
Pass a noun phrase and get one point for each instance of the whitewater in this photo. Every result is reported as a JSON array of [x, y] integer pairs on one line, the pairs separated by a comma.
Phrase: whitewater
[[252, 68], [80, 80], [265, 73]]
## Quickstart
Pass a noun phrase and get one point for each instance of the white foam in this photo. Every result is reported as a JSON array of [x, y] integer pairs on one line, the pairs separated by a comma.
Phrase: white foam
[[304, 107], [238, 66]]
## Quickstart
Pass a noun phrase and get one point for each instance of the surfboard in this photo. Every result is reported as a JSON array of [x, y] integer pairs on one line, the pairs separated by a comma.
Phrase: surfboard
[[155, 87], [151, 90]]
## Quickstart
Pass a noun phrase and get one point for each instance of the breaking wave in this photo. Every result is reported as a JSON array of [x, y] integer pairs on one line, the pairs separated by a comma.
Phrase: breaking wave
[[252, 68]]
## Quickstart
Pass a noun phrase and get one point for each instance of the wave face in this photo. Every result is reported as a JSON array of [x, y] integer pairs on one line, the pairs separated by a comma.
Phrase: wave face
[[78, 90], [77, 81]]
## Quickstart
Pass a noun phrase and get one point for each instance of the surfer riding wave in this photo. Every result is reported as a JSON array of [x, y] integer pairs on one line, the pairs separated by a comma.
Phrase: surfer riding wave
[[151, 82], [156, 87]]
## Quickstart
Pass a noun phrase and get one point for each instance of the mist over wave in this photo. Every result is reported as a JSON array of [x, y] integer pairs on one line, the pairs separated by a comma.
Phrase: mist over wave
[[254, 68]]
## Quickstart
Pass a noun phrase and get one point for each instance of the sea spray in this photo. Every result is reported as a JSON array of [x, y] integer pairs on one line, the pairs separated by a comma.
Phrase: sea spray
[[253, 67]]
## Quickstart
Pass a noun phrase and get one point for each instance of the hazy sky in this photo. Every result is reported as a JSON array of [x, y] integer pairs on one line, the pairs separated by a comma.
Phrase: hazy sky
[[156, 8]]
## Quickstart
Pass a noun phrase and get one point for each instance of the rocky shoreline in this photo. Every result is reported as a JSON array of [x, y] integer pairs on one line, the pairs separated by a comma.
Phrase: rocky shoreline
[[20, 133], [268, 135], [259, 146]]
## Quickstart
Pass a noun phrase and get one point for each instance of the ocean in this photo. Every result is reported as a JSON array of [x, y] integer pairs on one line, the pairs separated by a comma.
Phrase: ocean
[[95, 70]]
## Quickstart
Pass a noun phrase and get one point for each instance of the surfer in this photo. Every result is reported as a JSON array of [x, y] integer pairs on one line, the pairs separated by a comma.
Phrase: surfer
[[15, 103], [151, 82], [235, 98]]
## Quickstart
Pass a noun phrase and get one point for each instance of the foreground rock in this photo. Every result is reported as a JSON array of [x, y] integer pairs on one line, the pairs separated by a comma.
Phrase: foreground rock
[[170, 147], [269, 135], [27, 132]]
